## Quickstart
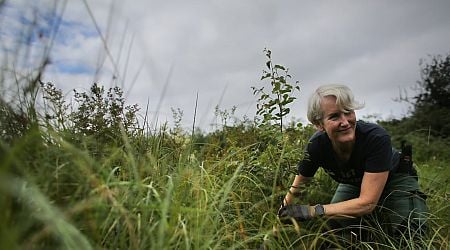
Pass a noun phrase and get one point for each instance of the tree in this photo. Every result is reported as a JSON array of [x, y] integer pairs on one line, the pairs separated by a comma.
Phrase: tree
[[432, 103]]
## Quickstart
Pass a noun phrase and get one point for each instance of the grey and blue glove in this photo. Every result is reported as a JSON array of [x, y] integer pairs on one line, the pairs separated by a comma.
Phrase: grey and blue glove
[[297, 212]]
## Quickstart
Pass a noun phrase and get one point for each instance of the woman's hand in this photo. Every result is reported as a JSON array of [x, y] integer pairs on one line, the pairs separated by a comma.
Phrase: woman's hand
[[297, 212], [294, 211]]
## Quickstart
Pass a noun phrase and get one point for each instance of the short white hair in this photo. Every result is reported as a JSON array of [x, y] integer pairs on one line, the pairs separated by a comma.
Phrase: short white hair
[[344, 101]]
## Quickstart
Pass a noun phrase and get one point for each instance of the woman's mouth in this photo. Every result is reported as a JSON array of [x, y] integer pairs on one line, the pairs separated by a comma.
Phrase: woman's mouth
[[344, 129]]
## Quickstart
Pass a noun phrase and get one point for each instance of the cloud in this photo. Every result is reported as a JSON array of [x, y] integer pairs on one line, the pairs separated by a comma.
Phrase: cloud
[[165, 52]]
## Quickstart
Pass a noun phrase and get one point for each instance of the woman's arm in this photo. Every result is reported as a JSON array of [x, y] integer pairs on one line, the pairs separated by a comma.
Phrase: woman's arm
[[371, 189], [295, 188]]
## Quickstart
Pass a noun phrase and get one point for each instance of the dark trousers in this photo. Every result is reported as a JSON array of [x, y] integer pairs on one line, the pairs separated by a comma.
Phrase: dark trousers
[[401, 211]]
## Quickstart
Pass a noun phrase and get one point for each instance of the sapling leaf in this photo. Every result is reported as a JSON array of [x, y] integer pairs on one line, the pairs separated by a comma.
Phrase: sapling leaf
[[277, 66]]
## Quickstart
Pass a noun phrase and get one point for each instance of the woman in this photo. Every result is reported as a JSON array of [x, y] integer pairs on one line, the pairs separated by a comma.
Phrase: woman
[[374, 179]]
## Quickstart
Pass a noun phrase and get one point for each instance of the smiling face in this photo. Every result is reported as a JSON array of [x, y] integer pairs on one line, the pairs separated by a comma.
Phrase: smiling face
[[337, 123]]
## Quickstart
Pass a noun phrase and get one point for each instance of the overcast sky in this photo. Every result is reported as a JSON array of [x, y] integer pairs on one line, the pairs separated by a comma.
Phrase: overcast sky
[[166, 52]]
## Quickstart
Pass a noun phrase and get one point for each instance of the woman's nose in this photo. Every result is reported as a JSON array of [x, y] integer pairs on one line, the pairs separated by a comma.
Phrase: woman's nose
[[344, 120]]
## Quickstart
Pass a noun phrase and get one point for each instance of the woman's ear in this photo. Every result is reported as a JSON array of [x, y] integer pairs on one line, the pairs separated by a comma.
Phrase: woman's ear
[[319, 126]]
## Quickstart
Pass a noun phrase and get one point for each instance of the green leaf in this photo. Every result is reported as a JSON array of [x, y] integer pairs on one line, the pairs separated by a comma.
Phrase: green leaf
[[277, 66], [267, 75], [276, 87]]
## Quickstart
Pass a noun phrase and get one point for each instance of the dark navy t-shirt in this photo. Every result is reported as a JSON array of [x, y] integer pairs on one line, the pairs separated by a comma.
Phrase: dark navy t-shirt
[[372, 153]]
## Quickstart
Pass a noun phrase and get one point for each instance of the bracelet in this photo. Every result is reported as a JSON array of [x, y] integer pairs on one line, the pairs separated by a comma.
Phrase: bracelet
[[294, 193]]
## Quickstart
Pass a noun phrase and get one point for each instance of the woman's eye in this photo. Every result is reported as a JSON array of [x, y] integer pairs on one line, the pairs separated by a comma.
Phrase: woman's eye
[[334, 117]]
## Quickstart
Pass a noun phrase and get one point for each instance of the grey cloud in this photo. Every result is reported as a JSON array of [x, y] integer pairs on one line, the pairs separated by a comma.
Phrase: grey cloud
[[216, 46]]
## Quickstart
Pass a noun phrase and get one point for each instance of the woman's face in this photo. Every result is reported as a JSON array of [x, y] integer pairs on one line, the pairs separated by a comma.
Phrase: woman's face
[[339, 125]]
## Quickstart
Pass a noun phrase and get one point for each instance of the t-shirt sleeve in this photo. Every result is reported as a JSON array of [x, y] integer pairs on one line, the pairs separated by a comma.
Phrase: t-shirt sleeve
[[379, 157], [308, 165]]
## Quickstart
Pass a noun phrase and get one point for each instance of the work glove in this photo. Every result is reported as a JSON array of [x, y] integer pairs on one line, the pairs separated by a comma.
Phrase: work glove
[[297, 212]]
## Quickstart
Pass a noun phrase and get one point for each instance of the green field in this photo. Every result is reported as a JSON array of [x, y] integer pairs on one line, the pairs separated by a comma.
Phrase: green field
[[67, 188]]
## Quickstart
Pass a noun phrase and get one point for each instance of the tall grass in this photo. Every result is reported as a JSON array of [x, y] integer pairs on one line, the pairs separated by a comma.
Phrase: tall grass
[[188, 207], [60, 195]]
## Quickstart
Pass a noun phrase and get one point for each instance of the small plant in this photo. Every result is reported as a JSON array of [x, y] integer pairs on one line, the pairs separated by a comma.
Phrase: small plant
[[103, 115], [224, 114], [272, 106], [55, 106]]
